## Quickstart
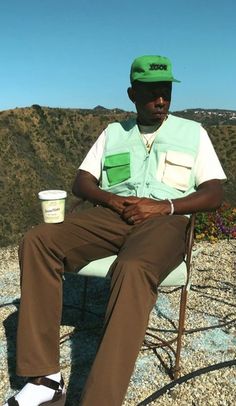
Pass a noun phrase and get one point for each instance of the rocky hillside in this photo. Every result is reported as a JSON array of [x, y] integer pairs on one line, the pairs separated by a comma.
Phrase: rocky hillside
[[41, 148]]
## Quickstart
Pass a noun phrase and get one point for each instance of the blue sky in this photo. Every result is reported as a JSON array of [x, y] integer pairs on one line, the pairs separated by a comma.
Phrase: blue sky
[[77, 53]]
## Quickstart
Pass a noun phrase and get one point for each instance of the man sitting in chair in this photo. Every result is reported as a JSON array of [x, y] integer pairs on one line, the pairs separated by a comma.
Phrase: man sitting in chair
[[143, 177]]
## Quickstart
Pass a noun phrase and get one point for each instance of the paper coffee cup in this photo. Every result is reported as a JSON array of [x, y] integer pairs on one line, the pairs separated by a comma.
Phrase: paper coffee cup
[[53, 205]]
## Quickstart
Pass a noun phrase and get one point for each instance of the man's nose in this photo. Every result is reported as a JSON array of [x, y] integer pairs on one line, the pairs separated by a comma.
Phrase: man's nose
[[159, 101]]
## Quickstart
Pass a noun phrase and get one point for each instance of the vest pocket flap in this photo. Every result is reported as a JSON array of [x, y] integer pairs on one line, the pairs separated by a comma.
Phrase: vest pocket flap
[[120, 159], [179, 159], [177, 169], [117, 167]]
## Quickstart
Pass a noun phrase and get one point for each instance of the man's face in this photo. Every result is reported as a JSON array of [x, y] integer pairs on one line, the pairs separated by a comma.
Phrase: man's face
[[152, 100]]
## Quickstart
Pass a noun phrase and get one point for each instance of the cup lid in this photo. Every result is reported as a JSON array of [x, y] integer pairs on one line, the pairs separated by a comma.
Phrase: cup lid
[[52, 194]]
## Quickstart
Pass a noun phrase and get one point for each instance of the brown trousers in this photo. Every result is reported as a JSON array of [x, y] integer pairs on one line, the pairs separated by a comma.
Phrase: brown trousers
[[146, 254]]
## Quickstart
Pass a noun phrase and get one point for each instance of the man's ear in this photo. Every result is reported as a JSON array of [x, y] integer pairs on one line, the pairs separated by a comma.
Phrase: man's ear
[[131, 94]]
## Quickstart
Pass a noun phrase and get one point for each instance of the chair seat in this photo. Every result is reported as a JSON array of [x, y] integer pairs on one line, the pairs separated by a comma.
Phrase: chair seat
[[100, 268]]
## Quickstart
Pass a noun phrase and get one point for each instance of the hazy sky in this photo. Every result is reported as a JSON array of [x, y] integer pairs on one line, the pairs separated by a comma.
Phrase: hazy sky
[[77, 53]]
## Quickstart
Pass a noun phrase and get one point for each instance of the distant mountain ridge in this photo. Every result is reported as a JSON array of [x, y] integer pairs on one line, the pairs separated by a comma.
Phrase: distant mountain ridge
[[41, 148], [209, 116], [204, 116]]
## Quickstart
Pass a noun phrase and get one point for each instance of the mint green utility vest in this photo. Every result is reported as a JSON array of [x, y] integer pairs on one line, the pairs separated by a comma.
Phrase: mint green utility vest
[[166, 172]]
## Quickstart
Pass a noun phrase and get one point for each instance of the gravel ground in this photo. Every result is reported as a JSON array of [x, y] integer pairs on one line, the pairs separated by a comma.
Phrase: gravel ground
[[211, 303]]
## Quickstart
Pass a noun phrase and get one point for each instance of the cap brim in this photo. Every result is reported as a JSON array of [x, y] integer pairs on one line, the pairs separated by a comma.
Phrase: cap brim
[[143, 79]]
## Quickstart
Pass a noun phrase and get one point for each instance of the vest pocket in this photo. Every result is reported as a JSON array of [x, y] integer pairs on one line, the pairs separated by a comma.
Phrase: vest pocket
[[117, 167], [177, 169]]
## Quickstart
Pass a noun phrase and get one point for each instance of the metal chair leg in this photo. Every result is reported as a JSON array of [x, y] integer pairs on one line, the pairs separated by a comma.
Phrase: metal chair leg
[[182, 314]]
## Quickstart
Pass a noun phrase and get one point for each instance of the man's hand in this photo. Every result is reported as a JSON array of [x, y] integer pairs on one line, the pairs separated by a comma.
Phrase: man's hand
[[132, 209], [143, 208], [119, 203]]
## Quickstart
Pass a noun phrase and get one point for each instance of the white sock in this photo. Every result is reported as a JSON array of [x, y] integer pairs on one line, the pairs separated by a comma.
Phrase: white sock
[[34, 395]]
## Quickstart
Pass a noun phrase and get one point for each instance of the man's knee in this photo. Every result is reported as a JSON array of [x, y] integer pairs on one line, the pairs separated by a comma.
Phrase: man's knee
[[43, 231], [41, 237], [133, 268]]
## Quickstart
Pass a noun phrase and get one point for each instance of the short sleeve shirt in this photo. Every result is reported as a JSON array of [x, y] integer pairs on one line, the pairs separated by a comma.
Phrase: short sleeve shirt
[[207, 165]]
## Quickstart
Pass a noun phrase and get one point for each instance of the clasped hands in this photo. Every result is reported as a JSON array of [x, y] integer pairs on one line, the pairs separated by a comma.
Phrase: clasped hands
[[135, 210]]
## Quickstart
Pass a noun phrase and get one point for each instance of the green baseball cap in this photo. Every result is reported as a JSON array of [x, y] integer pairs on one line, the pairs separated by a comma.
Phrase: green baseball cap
[[152, 68]]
